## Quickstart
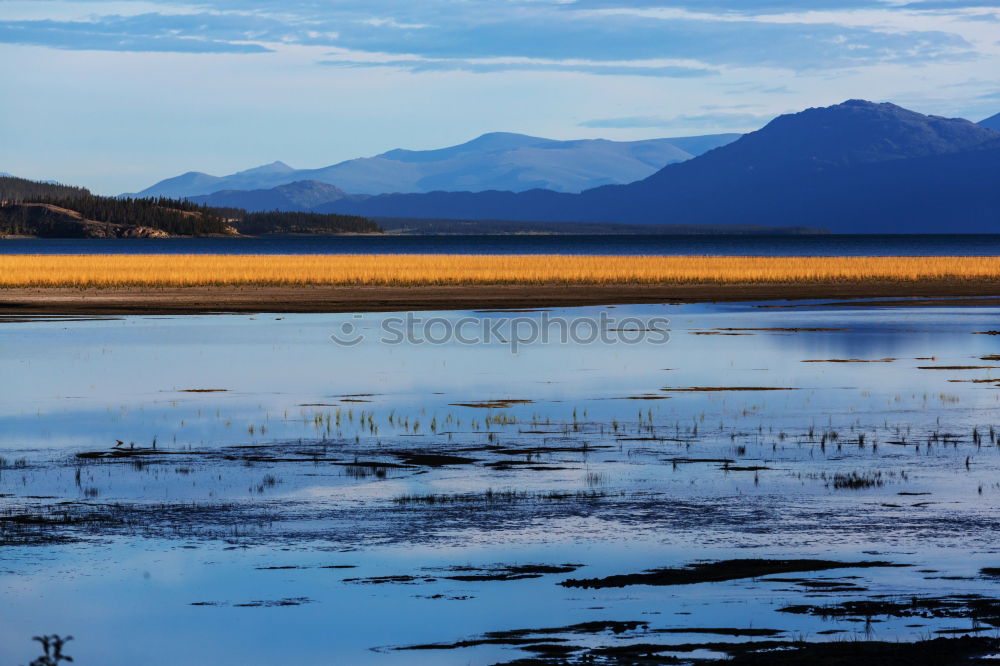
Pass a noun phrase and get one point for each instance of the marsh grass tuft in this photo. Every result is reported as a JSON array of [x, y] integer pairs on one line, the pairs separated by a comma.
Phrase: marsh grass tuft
[[857, 480], [52, 647], [491, 496]]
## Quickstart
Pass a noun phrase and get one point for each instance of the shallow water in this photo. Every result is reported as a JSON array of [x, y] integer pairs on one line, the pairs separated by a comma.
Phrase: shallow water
[[309, 457]]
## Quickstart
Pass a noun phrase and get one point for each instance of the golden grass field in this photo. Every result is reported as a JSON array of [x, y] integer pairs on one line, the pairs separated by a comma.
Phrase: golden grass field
[[430, 269]]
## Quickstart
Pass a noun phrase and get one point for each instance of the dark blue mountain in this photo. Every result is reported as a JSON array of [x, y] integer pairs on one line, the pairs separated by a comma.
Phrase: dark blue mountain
[[303, 195], [993, 122], [852, 167]]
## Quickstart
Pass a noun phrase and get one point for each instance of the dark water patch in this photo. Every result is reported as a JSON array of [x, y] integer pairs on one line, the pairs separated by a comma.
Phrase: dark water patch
[[720, 631], [995, 380], [116, 453], [550, 650], [723, 570], [258, 603], [532, 636], [471, 574], [785, 329], [369, 464], [511, 310], [950, 578], [492, 404], [382, 580], [849, 360], [689, 461], [844, 584], [978, 608], [643, 397], [527, 465], [432, 459], [502, 572], [552, 646], [539, 450], [638, 244], [286, 567], [712, 389], [447, 597], [935, 652]]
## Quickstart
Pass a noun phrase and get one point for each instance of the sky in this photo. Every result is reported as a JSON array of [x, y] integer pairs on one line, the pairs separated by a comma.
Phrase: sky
[[117, 95]]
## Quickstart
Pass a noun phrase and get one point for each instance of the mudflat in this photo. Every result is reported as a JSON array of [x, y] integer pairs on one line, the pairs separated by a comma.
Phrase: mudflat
[[332, 298]]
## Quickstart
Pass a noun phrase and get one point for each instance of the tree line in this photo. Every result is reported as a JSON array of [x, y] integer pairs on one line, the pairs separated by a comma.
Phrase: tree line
[[170, 215], [278, 222], [174, 216], [19, 190]]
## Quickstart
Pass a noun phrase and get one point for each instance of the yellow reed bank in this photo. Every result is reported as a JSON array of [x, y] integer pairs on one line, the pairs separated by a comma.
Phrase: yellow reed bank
[[437, 269]]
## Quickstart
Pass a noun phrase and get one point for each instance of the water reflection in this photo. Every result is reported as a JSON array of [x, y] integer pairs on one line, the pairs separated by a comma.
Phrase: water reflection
[[280, 455]]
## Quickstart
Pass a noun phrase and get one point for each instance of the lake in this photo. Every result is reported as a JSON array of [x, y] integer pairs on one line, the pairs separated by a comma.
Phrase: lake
[[451, 489], [780, 245]]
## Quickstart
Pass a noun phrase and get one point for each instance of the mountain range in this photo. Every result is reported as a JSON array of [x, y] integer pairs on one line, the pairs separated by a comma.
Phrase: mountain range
[[855, 167], [858, 167], [301, 196], [496, 161]]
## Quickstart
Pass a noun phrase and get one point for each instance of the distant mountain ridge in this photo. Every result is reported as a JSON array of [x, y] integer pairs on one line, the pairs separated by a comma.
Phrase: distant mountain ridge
[[495, 161], [853, 167], [301, 196], [993, 122]]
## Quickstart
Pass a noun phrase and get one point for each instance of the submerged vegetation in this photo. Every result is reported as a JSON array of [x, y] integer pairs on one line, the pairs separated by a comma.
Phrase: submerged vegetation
[[416, 269]]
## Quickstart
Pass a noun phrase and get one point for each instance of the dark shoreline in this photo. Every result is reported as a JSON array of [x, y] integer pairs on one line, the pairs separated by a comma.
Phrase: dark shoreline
[[248, 299]]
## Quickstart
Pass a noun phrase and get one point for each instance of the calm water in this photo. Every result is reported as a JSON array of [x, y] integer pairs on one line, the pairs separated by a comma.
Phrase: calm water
[[217, 547], [825, 245]]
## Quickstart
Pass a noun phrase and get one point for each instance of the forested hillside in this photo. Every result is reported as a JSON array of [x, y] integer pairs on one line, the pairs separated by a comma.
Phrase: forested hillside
[[20, 190], [29, 208], [32, 208]]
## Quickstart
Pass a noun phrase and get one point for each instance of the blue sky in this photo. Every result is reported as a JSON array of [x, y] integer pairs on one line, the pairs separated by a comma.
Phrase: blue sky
[[116, 95]]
